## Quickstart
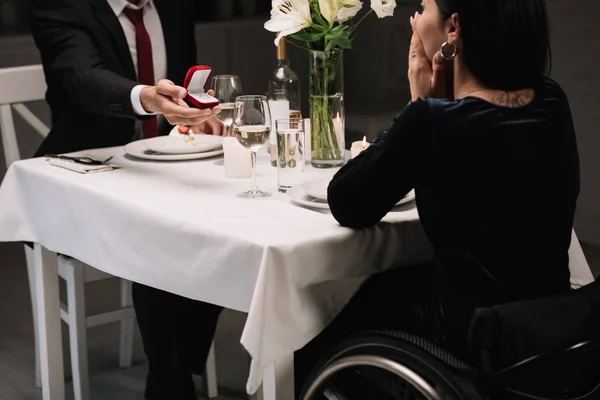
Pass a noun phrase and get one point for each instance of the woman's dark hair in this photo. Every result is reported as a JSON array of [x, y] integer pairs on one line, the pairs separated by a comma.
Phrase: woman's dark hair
[[505, 43]]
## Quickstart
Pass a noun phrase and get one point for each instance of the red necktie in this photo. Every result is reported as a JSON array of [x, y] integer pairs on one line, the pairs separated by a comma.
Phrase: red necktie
[[145, 63]]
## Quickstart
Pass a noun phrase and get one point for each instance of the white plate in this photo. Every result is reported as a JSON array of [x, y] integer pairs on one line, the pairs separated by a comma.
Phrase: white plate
[[139, 149], [316, 188], [175, 144], [299, 196]]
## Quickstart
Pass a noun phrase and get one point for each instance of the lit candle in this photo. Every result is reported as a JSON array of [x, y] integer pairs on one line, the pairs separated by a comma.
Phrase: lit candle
[[338, 126], [359, 146], [237, 159]]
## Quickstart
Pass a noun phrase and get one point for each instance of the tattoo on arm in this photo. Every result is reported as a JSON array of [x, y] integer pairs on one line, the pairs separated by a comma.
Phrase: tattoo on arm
[[513, 99]]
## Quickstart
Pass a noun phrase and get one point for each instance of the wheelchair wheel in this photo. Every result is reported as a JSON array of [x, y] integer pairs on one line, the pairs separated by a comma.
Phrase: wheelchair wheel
[[389, 366]]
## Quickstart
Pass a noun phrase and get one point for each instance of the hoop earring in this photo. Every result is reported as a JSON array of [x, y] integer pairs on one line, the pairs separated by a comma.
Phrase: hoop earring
[[454, 51]]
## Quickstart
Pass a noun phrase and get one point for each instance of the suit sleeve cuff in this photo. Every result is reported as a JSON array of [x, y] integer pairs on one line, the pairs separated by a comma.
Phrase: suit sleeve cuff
[[136, 102]]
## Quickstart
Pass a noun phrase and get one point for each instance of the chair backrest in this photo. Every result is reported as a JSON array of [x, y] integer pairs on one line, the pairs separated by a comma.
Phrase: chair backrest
[[17, 86]]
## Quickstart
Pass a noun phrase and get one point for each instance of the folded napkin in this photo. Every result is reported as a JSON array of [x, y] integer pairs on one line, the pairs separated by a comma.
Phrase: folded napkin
[[80, 168]]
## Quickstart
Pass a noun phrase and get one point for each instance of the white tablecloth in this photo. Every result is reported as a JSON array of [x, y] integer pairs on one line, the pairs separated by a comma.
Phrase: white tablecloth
[[179, 227]]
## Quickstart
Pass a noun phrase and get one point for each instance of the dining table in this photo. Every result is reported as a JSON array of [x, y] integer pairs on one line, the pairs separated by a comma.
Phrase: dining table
[[178, 226]]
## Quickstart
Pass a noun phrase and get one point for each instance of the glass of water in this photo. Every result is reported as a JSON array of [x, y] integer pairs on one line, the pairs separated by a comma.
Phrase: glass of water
[[227, 88], [290, 153]]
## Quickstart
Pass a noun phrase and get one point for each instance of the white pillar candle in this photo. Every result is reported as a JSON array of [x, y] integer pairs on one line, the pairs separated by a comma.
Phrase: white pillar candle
[[338, 127], [358, 147], [237, 159], [307, 140]]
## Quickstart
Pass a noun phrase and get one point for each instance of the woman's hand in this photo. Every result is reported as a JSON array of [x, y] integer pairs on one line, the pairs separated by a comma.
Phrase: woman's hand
[[427, 79]]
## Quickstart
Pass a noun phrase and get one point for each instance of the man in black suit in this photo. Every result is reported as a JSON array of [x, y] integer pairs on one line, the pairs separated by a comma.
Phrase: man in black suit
[[111, 66], [90, 59]]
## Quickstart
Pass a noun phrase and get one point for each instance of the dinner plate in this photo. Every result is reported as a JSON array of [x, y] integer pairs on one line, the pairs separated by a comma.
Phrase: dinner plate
[[139, 149], [176, 144], [299, 195], [317, 188]]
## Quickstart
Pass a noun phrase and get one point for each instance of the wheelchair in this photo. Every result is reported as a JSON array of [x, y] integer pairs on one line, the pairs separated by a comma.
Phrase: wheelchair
[[540, 349]]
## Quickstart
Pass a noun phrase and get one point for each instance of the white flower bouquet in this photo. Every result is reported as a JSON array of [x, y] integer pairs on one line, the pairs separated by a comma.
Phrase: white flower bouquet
[[324, 28]]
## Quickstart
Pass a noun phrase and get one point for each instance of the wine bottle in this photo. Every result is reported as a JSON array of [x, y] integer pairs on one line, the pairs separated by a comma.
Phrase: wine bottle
[[284, 95]]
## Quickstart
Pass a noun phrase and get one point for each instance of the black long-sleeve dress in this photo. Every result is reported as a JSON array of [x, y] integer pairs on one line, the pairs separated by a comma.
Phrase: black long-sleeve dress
[[496, 190]]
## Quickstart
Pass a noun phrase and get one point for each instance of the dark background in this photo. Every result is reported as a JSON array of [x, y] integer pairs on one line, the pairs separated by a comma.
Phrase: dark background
[[14, 13]]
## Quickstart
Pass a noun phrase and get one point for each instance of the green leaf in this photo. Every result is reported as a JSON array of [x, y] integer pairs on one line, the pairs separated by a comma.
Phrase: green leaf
[[299, 45], [309, 37], [336, 31], [340, 39]]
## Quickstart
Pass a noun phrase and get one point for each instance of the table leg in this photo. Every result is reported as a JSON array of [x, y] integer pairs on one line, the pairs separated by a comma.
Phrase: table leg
[[49, 323], [278, 380]]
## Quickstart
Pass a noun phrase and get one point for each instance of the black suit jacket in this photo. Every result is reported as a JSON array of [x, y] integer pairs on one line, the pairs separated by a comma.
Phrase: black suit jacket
[[90, 73]]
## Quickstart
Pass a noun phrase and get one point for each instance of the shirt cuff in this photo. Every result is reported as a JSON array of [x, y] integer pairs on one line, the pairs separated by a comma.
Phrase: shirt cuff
[[136, 101]]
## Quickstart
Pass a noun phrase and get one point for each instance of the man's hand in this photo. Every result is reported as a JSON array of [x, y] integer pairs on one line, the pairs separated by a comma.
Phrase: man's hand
[[211, 127], [167, 99]]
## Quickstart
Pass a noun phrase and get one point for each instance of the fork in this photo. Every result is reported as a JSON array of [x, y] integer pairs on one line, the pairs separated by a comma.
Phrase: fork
[[80, 160]]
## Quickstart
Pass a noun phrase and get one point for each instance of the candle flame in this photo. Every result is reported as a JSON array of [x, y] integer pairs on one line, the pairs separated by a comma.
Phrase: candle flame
[[364, 143]]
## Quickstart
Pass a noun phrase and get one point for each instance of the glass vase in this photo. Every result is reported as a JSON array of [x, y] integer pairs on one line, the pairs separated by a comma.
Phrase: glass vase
[[326, 90]]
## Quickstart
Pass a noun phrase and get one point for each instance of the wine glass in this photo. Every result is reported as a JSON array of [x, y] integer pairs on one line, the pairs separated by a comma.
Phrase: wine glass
[[252, 127], [227, 88]]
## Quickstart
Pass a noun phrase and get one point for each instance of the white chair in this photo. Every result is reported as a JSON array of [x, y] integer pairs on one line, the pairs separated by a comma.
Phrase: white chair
[[25, 84]]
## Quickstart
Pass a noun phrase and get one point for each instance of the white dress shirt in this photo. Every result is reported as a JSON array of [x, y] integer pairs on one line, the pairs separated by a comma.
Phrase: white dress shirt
[[154, 28]]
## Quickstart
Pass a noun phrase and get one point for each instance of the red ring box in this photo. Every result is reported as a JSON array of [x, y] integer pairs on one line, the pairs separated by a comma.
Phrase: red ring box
[[195, 81]]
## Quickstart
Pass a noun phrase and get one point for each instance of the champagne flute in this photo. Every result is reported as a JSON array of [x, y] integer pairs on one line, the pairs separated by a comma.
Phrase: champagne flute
[[227, 88], [252, 127]]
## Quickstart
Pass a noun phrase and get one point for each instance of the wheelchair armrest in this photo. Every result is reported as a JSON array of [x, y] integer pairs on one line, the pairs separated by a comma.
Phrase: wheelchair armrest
[[506, 376], [521, 344]]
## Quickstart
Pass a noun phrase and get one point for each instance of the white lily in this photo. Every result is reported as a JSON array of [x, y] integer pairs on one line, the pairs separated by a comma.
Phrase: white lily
[[329, 9], [348, 9], [288, 17], [383, 8]]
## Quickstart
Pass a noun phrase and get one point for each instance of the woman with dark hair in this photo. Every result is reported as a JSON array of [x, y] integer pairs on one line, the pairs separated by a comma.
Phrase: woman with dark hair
[[488, 144]]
